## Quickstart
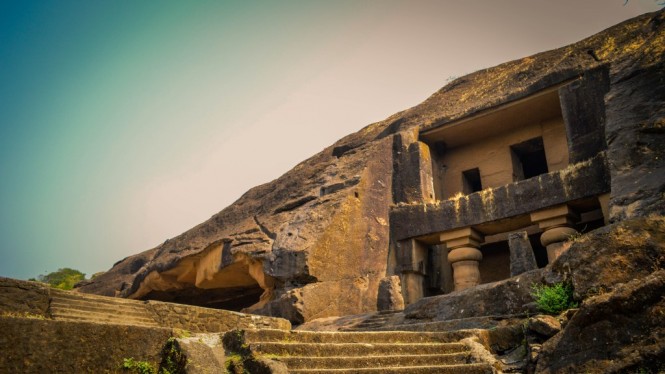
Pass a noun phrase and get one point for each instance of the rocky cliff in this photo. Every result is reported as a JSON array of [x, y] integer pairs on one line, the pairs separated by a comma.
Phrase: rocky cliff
[[316, 241]]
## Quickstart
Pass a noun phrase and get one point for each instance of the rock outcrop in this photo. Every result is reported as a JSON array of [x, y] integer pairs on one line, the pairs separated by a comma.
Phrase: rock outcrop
[[316, 242], [620, 331]]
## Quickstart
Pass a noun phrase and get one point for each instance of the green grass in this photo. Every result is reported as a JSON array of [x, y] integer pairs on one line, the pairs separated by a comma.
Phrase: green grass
[[140, 367]]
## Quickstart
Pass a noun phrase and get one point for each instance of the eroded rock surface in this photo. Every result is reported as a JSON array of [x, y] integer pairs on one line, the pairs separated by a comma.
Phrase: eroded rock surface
[[622, 330]]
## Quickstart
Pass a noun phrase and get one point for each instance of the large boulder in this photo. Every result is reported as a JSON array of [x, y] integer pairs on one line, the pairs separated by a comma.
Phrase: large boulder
[[613, 254], [619, 331]]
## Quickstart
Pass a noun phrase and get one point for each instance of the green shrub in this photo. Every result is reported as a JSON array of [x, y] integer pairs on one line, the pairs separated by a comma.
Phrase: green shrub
[[553, 299], [174, 360], [64, 278], [140, 367]]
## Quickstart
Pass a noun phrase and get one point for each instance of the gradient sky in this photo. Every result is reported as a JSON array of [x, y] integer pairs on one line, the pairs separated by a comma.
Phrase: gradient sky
[[124, 123]]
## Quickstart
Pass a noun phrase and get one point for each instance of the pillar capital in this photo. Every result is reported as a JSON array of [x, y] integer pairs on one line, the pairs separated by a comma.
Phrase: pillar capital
[[556, 224], [464, 255], [466, 237], [560, 215]]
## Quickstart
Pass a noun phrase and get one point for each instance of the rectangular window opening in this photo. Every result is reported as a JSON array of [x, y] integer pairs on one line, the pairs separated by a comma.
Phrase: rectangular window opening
[[528, 159], [471, 181]]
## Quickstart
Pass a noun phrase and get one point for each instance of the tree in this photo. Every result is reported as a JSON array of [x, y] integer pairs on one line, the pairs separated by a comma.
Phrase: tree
[[64, 278]]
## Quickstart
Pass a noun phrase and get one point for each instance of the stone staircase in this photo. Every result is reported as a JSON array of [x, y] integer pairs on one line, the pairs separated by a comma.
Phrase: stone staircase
[[358, 352], [378, 321], [70, 306]]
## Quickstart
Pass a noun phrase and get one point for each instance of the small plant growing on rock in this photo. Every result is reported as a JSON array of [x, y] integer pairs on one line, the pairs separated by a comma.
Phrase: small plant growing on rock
[[140, 367], [174, 360], [554, 299]]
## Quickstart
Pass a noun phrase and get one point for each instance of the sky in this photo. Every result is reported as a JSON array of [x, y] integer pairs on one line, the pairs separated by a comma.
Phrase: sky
[[125, 123]]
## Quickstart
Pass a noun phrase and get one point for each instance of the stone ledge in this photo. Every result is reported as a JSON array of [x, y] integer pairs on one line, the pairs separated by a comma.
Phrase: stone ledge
[[583, 180], [48, 346]]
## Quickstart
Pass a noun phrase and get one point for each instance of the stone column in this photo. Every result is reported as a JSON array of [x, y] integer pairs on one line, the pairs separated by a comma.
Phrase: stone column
[[464, 256], [556, 224], [411, 267]]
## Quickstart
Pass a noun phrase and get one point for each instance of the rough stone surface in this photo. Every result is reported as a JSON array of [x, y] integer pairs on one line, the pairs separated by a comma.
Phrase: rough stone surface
[[390, 294], [47, 346], [620, 331], [23, 298], [333, 208], [197, 319], [544, 325], [613, 254], [511, 296], [204, 353], [635, 136], [522, 258]]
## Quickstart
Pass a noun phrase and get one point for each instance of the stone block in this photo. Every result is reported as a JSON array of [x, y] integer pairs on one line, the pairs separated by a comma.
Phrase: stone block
[[390, 294], [546, 326], [522, 258], [48, 346]]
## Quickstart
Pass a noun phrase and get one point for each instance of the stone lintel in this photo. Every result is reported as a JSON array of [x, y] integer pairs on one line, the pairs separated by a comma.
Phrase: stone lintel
[[556, 221]]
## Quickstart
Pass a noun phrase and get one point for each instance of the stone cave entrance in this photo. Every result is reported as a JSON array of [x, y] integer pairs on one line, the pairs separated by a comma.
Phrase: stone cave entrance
[[212, 280], [234, 298]]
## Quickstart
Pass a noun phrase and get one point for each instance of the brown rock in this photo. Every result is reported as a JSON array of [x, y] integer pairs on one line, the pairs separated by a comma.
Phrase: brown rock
[[620, 331], [390, 294], [521, 253], [544, 325], [617, 254]]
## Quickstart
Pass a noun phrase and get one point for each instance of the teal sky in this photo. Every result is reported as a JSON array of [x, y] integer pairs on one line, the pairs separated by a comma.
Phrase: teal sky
[[125, 123]]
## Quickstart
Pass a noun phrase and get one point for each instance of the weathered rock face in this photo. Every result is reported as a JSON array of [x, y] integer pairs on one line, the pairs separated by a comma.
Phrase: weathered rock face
[[316, 241], [635, 137], [620, 331], [614, 254]]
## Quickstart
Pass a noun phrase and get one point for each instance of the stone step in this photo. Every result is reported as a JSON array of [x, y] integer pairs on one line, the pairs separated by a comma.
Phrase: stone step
[[439, 369], [97, 299], [266, 335], [484, 322], [107, 312], [128, 311], [78, 315], [129, 322], [355, 349], [341, 362]]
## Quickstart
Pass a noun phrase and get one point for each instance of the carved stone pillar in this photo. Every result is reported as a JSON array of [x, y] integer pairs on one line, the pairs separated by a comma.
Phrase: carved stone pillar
[[464, 256], [556, 224], [411, 267]]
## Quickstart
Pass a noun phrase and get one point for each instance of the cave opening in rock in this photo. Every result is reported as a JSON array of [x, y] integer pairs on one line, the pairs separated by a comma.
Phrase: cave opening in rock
[[234, 298]]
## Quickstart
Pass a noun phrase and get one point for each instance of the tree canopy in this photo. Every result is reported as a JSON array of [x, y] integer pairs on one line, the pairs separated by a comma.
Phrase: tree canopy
[[64, 278]]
